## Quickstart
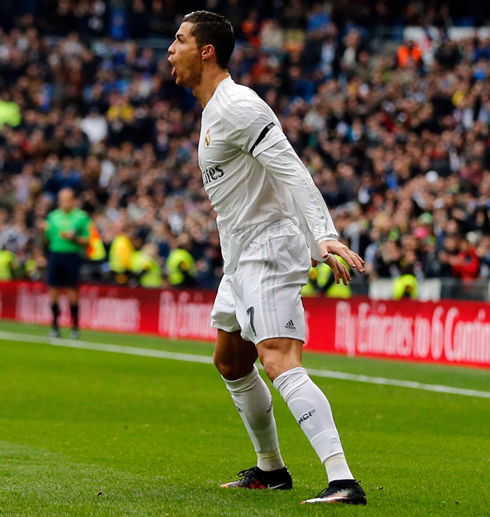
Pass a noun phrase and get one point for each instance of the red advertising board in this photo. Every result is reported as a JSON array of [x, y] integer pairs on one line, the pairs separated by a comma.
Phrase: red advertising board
[[450, 332], [175, 314]]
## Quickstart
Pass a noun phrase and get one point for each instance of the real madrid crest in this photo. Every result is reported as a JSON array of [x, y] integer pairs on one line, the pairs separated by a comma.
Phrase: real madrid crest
[[207, 138]]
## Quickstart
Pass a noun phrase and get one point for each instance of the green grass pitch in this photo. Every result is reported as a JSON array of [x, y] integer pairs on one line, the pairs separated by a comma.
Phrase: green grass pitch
[[86, 432]]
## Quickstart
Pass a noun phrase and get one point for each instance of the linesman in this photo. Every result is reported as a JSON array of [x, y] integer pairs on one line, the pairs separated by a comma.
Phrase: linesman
[[67, 233]]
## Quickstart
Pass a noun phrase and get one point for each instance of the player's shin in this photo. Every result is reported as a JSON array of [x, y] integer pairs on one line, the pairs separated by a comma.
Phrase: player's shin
[[312, 411], [253, 400]]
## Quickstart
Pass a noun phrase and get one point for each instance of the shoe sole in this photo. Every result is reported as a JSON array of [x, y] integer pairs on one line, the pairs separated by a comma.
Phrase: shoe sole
[[322, 500], [282, 486]]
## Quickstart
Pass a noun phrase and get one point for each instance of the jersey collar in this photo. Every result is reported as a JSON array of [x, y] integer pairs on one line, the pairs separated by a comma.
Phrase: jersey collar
[[220, 85]]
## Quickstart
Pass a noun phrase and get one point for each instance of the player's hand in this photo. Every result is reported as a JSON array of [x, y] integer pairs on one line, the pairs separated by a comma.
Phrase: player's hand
[[337, 248], [69, 236], [339, 270]]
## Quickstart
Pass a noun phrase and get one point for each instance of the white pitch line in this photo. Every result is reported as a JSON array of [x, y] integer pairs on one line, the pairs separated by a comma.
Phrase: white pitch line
[[191, 358], [439, 388], [103, 347]]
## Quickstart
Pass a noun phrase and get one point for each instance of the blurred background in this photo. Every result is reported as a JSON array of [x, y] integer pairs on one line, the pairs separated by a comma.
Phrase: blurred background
[[387, 102]]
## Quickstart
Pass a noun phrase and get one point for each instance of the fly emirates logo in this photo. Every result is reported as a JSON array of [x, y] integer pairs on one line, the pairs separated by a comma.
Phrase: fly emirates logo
[[212, 174], [443, 333]]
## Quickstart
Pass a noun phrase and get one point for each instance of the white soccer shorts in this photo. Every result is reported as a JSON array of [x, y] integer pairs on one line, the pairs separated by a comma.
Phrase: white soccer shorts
[[262, 298]]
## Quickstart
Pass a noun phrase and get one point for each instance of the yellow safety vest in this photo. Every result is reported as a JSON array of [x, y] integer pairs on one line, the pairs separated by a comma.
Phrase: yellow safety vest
[[317, 275], [120, 253], [178, 261], [153, 272], [321, 275], [7, 260], [405, 286]]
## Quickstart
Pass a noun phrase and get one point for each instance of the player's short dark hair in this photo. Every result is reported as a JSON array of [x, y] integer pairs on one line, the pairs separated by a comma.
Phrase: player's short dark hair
[[213, 29]]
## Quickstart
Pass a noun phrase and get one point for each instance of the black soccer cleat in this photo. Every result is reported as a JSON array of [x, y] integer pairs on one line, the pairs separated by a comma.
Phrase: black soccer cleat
[[257, 479], [346, 491]]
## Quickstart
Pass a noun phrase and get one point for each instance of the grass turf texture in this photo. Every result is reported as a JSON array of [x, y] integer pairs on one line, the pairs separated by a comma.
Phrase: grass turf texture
[[94, 433]]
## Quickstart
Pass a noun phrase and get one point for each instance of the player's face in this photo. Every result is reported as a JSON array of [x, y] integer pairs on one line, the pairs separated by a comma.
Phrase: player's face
[[185, 58], [66, 200]]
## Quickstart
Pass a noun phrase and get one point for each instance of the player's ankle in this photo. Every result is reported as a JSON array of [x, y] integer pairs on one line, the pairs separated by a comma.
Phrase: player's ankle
[[270, 460], [337, 468]]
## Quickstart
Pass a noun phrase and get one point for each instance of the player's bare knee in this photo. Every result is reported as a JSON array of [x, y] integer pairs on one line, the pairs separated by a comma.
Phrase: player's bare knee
[[273, 370], [273, 364], [279, 355]]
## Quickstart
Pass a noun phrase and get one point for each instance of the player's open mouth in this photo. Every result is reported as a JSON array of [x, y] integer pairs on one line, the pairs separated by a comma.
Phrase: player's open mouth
[[174, 72]]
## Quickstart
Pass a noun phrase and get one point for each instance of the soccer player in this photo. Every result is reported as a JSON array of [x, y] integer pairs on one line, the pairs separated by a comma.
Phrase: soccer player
[[67, 232], [272, 222]]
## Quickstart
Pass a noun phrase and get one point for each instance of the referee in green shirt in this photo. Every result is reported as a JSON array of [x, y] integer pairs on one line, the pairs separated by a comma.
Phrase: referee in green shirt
[[67, 233]]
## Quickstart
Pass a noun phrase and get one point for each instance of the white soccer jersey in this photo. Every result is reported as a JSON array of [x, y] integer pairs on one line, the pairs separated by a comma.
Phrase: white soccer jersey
[[237, 128]]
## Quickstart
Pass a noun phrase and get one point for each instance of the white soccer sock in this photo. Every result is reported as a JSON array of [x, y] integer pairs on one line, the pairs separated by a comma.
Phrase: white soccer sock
[[270, 460], [337, 468], [312, 411], [254, 403]]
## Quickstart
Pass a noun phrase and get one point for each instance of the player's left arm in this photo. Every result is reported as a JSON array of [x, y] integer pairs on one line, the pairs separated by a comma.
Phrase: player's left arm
[[81, 235], [284, 164], [255, 129]]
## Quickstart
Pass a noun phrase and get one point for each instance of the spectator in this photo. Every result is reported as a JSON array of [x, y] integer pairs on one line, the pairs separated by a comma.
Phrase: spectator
[[145, 267], [67, 176], [94, 125], [9, 265], [9, 112], [465, 264], [181, 268], [405, 285], [409, 54], [120, 252]]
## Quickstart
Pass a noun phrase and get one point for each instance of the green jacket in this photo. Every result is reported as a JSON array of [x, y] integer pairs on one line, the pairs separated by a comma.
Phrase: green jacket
[[58, 222]]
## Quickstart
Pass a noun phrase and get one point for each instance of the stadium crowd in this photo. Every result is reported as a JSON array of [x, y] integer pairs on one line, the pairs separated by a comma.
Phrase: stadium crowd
[[398, 144]]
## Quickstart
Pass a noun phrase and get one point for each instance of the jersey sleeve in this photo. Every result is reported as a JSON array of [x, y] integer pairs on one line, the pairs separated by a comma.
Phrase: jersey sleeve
[[83, 228], [251, 125], [48, 228], [284, 164]]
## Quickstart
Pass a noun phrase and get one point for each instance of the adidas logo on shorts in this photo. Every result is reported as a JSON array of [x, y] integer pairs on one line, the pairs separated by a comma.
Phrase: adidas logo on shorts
[[290, 325]]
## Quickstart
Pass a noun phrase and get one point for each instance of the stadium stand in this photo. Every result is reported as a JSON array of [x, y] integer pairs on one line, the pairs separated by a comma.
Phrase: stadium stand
[[395, 136]]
